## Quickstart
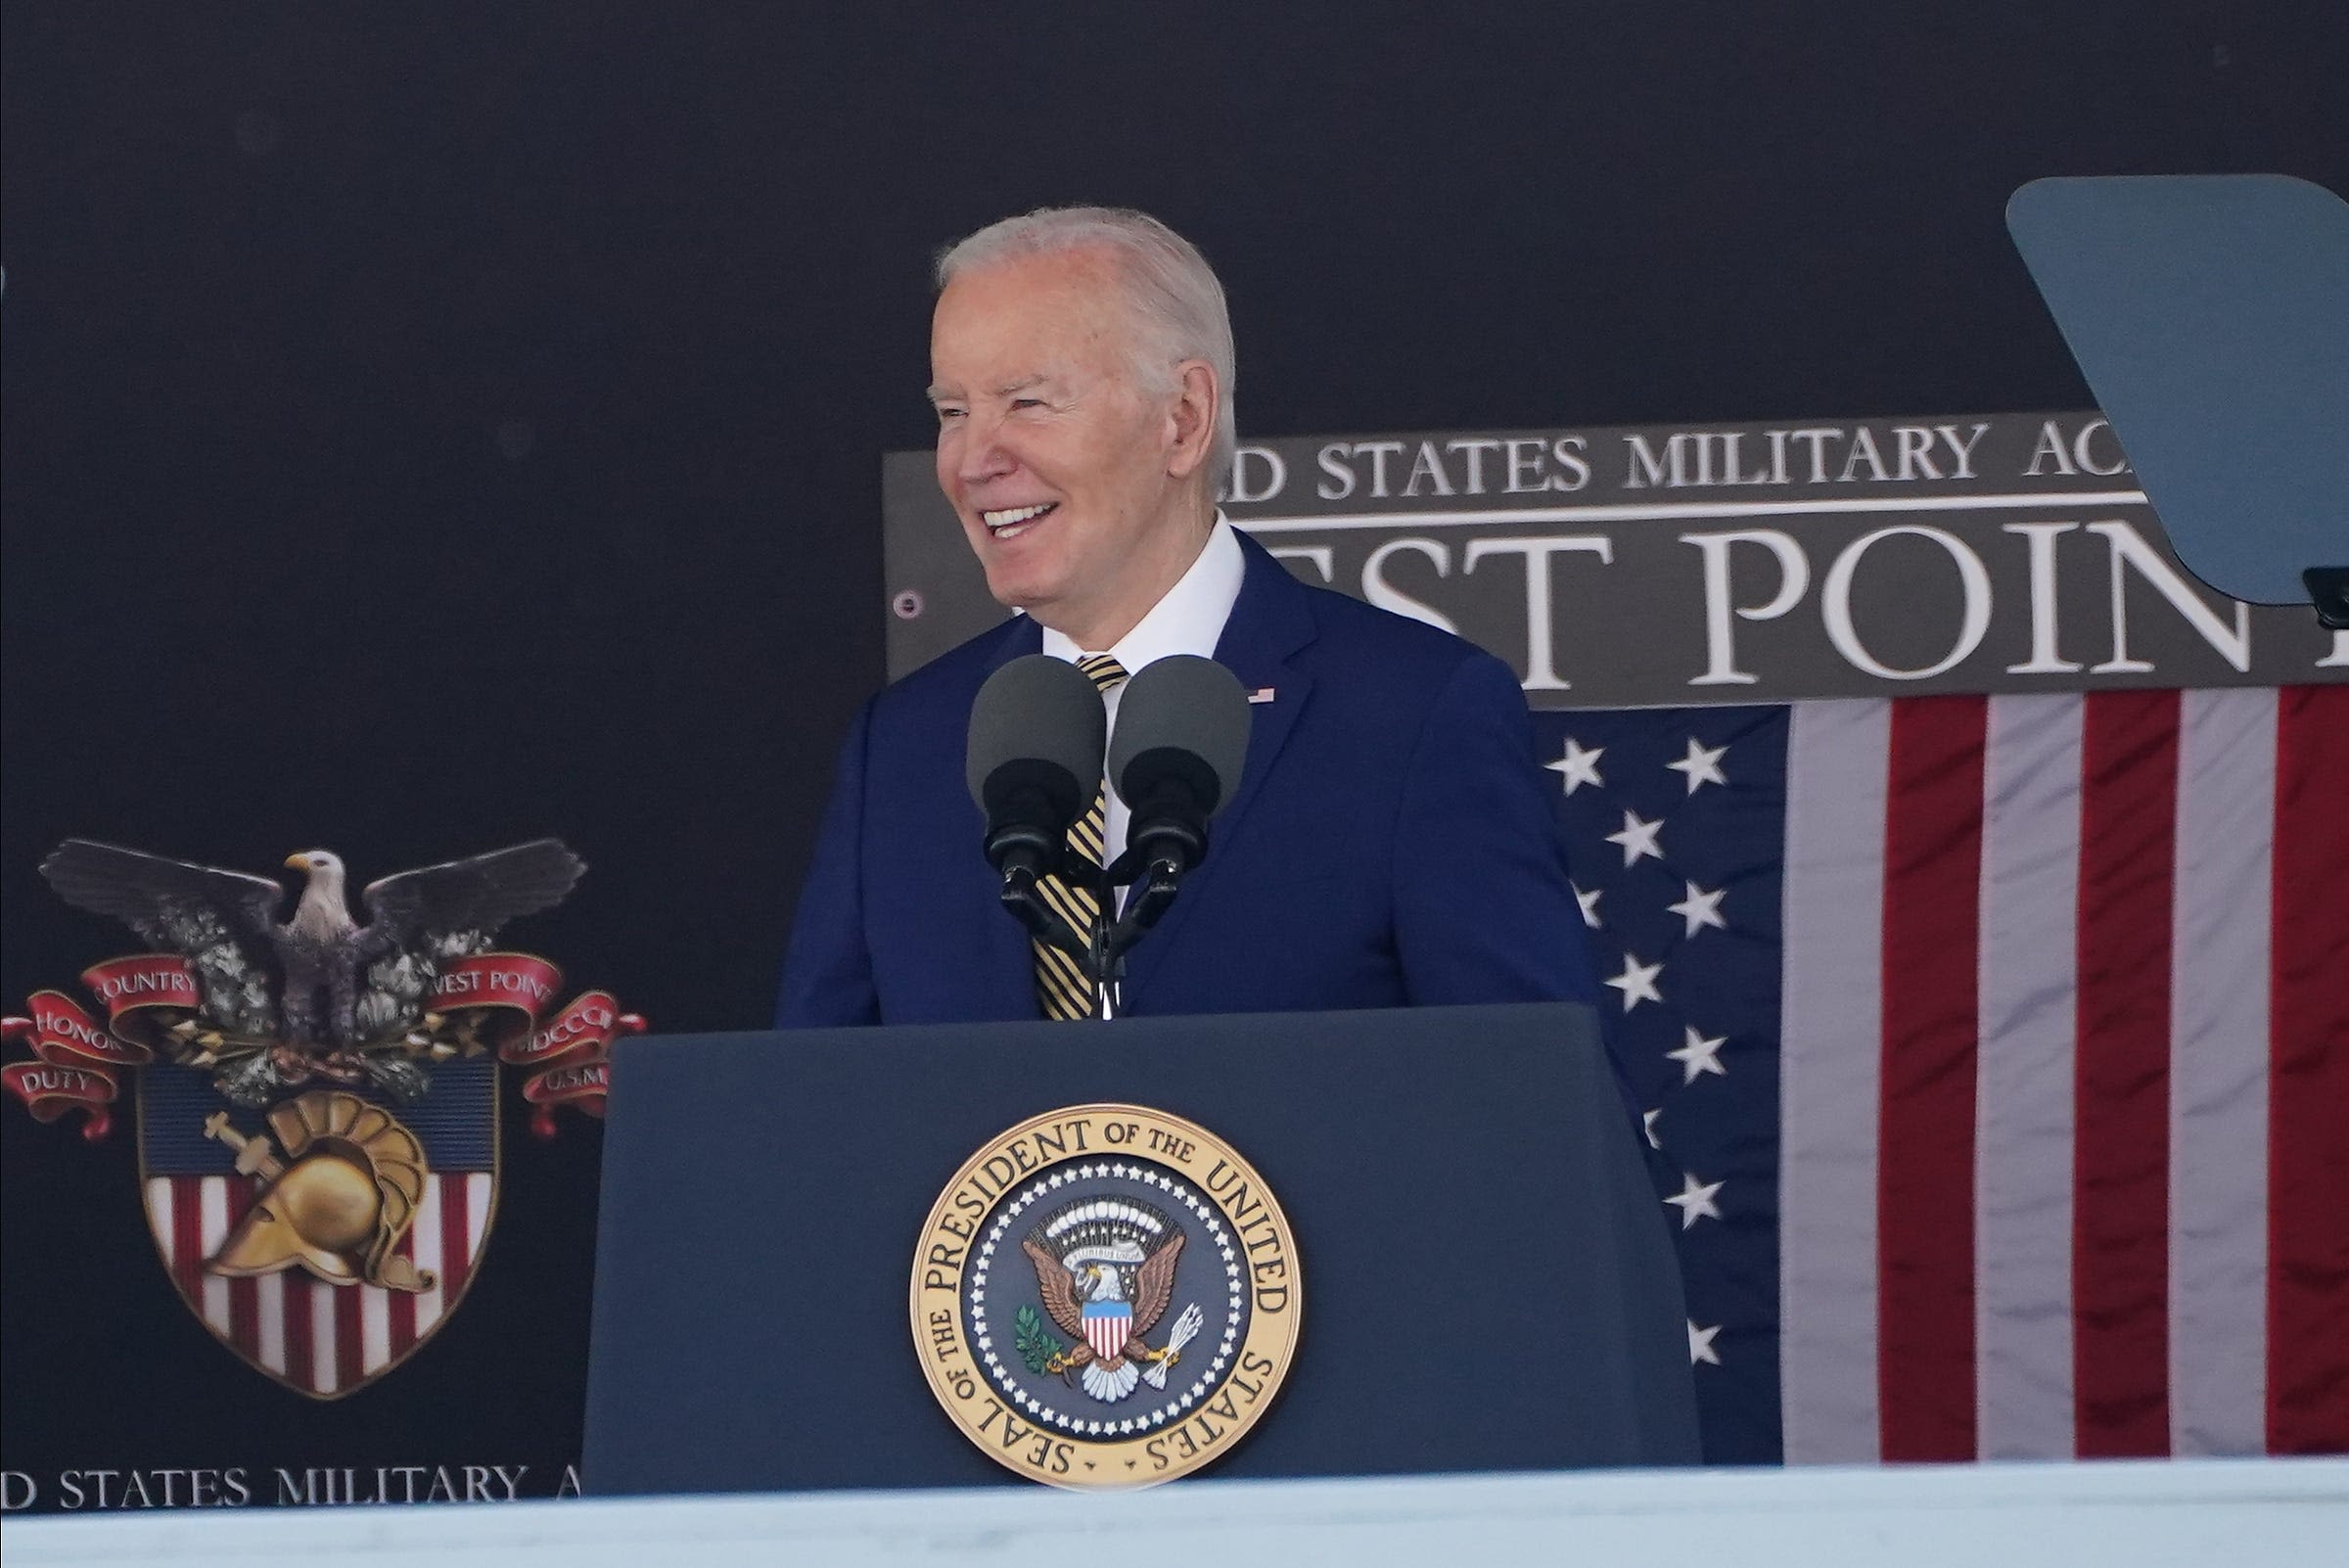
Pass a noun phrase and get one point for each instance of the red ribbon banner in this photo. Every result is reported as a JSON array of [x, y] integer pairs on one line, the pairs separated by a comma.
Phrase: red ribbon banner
[[505, 992], [501, 1001], [127, 986], [74, 1057], [567, 1055], [573, 1053]]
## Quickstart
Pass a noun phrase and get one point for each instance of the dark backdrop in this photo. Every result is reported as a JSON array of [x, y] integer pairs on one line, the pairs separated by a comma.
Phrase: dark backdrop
[[428, 427]]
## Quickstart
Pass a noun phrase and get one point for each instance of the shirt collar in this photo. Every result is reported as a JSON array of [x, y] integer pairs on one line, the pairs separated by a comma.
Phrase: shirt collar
[[1188, 619]]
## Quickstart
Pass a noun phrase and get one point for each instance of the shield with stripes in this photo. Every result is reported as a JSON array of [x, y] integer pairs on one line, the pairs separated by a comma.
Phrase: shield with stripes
[[1108, 1325], [326, 1237]]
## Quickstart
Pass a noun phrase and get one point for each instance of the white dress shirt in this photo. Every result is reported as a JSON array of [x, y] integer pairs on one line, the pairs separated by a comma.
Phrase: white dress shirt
[[1189, 620]]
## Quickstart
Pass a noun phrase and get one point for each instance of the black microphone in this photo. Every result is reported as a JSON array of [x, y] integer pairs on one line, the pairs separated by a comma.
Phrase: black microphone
[[1181, 743], [1033, 760]]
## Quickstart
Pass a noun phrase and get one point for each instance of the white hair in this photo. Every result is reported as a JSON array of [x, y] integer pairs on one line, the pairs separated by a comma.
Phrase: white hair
[[1169, 290]]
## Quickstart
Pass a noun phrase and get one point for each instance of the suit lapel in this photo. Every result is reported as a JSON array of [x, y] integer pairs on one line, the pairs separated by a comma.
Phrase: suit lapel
[[1021, 637], [1272, 620]]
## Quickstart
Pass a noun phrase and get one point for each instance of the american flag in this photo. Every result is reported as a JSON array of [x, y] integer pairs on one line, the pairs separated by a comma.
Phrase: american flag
[[1998, 1052]]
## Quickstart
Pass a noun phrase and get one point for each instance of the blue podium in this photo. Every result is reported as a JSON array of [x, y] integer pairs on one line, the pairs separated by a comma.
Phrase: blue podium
[[1487, 1278]]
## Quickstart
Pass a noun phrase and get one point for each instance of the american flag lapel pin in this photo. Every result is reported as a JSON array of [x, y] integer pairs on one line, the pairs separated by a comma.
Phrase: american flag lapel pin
[[1261, 694]]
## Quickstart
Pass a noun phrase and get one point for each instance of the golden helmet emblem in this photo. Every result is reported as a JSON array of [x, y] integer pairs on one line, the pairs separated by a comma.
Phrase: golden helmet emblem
[[339, 1201]]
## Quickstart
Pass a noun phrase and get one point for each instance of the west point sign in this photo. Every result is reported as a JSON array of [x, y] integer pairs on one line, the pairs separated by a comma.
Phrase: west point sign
[[1752, 563]]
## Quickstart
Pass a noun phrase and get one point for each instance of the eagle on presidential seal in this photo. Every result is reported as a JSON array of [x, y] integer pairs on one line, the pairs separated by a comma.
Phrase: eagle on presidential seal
[[1105, 1267]]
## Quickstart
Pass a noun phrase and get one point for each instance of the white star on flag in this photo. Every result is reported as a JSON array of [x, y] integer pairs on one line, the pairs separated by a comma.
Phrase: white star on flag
[[1702, 765], [1700, 909], [1647, 1125], [1637, 981], [1695, 1200], [1637, 838], [1589, 903], [1578, 766], [1699, 1055], [1700, 1344]]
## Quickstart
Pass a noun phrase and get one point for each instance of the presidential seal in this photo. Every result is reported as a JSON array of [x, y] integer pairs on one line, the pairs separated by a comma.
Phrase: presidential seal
[[1106, 1296]]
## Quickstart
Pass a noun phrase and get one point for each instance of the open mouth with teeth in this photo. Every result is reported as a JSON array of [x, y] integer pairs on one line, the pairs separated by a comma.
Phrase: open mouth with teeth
[[1013, 520]]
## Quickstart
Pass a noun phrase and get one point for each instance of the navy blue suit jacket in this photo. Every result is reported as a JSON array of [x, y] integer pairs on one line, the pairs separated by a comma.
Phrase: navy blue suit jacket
[[1393, 840]]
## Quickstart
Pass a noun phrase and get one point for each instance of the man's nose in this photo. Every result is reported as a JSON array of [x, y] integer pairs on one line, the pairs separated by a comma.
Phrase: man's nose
[[983, 455]]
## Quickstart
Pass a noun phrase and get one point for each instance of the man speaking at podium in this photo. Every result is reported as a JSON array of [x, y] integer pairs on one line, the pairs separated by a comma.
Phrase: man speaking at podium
[[1390, 842]]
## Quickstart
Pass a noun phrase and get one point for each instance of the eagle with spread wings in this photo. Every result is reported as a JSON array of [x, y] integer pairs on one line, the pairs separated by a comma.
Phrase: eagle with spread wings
[[1105, 1269], [341, 984]]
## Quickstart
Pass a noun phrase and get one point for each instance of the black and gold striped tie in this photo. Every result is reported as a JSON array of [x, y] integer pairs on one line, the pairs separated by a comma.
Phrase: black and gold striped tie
[[1061, 988]]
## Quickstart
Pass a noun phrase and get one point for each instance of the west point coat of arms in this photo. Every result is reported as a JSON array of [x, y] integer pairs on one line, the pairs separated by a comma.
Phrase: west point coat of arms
[[318, 1134]]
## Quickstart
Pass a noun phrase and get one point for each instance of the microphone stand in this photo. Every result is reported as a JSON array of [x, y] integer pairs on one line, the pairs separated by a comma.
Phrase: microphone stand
[[1153, 868], [1099, 951], [1156, 871], [1021, 896]]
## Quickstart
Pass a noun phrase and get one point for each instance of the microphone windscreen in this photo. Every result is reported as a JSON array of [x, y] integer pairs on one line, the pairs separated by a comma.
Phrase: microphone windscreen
[[1188, 706], [1035, 709]]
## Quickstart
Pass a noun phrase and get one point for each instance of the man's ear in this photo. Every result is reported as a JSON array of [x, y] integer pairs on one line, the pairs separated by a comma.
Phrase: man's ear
[[1191, 420]]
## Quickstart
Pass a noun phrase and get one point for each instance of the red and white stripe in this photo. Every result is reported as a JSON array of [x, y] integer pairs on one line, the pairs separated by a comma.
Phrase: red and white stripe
[[1107, 1334], [2065, 1057], [318, 1338]]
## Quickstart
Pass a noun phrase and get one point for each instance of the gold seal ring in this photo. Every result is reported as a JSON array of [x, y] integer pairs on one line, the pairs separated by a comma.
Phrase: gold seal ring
[[1106, 1296]]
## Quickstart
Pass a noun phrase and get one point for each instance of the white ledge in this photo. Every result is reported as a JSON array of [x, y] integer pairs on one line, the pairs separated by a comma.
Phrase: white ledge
[[2143, 1515]]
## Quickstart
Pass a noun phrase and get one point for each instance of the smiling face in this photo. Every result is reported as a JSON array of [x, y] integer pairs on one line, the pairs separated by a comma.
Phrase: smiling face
[[1082, 492]]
